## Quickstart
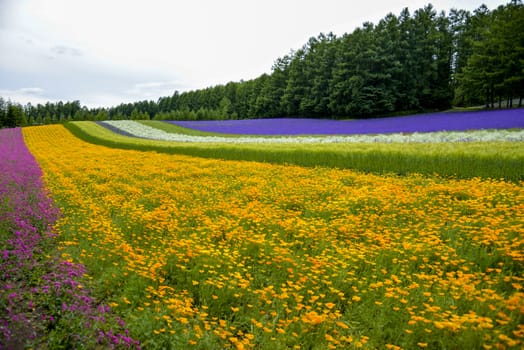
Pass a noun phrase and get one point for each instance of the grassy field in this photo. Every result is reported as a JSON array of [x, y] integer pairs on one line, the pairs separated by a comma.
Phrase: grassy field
[[212, 253], [461, 160]]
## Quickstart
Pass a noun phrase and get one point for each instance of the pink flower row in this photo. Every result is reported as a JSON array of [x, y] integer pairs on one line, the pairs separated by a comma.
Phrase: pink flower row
[[41, 295]]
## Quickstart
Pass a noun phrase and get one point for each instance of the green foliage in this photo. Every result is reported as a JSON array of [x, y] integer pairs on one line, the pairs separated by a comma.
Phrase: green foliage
[[3, 113], [494, 68], [102, 115], [11, 115]]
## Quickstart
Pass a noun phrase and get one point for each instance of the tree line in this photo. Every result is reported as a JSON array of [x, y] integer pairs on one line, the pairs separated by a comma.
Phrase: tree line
[[407, 63]]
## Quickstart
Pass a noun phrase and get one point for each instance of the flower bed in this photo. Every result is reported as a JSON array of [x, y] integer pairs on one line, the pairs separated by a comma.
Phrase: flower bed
[[450, 121], [212, 254], [44, 299], [128, 127]]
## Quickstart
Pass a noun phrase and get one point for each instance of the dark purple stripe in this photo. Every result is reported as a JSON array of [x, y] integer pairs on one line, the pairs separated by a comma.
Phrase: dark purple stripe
[[115, 129]]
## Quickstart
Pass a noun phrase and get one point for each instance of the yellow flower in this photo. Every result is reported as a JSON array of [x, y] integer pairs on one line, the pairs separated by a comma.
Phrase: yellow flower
[[330, 305], [283, 240], [313, 318]]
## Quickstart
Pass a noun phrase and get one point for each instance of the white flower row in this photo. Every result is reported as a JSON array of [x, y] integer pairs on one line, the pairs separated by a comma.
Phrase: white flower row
[[147, 132]]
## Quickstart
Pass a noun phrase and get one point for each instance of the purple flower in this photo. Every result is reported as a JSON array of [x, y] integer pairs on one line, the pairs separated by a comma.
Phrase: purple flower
[[28, 213], [445, 121]]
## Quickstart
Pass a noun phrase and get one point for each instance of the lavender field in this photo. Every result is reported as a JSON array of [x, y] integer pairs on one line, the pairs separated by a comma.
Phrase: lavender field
[[446, 121]]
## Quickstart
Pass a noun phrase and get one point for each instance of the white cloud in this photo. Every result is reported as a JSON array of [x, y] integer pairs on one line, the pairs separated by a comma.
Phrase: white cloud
[[31, 95], [31, 91], [95, 100], [65, 50], [154, 89]]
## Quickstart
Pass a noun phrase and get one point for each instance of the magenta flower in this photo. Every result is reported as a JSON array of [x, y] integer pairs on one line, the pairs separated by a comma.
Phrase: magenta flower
[[40, 295]]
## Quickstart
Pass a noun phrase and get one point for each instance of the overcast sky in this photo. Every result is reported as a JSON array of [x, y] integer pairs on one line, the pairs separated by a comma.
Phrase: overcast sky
[[104, 52]]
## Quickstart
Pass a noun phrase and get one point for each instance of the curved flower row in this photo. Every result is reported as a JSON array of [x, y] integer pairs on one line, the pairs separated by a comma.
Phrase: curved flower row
[[44, 302], [129, 127]]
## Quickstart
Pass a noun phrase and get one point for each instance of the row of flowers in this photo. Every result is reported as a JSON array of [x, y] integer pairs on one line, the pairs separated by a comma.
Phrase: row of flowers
[[128, 127], [432, 122], [213, 254], [44, 300]]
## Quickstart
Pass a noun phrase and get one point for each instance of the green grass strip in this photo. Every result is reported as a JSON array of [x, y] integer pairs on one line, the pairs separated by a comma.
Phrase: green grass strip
[[460, 160]]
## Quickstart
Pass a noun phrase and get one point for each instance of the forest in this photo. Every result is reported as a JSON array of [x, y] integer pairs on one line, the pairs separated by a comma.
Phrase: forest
[[407, 63]]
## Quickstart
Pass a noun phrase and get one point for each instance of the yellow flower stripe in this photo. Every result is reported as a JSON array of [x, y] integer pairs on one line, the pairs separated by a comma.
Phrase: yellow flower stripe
[[218, 254]]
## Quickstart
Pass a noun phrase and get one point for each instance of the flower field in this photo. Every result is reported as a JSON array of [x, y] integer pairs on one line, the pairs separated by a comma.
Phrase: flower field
[[44, 303], [136, 129], [499, 155], [209, 254], [421, 123]]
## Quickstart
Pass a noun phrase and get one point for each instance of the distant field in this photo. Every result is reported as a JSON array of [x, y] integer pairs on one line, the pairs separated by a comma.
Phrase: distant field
[[462, 160], [446, 121], [156, 130]]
